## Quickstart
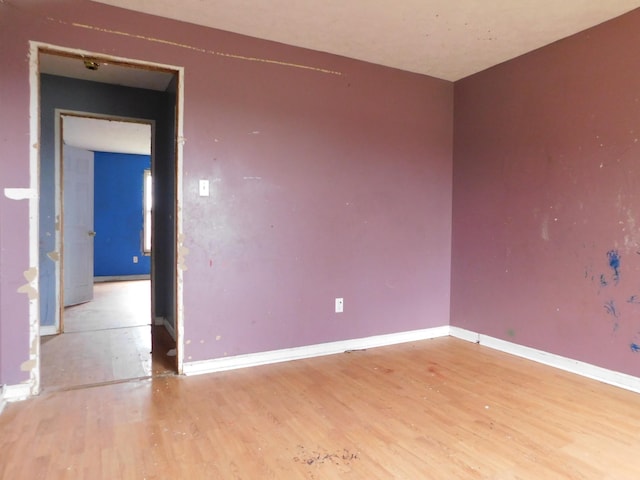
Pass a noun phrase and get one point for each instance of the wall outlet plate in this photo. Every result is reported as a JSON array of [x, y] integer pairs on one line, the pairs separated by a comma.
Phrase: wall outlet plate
[[203, 188], [339, 305]]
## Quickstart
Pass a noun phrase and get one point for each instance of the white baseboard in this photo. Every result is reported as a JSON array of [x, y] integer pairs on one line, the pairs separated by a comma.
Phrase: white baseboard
[[297, 353], [170, 329], [611, 377], [14, 393], [48, 330], [121, 278]]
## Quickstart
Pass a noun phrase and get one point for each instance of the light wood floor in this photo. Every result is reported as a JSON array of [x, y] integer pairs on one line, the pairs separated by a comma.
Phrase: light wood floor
[[106, 340], [436, 409]]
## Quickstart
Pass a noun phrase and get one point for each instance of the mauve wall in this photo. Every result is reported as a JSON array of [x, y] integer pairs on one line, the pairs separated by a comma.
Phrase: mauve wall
[[546, 230], [323, 185]]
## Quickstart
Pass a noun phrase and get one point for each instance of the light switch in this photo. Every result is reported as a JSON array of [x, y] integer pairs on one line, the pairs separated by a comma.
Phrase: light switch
[[204, 188]]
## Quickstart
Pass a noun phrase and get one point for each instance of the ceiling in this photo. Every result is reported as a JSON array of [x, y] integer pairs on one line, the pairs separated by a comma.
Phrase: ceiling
[[104, 135], [448, 39]]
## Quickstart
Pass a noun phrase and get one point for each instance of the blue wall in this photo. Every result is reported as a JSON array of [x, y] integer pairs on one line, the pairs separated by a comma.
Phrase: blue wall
[[118, 218]]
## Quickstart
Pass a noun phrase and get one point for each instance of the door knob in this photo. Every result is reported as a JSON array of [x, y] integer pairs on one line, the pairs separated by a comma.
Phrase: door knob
[[91, 234]]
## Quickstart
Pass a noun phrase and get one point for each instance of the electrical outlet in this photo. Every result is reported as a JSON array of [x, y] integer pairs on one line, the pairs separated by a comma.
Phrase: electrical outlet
[[339, 305], [135, 259]]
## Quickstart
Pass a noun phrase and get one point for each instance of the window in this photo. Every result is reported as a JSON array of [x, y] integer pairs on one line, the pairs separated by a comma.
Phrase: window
[[146, 237]]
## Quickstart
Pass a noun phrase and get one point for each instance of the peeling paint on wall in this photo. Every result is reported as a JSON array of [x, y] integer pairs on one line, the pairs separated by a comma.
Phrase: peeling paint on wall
[[28, 365], [545, 228], [20, 193], [182, 253], [30, 275]]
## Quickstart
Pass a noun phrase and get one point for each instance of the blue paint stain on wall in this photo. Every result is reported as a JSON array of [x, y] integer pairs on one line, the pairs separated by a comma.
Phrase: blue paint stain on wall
[[119, 214], [635, 348], [610, 308], [614, 262]]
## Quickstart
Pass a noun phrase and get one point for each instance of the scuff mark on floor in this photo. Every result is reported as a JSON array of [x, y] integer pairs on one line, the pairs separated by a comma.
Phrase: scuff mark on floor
[[320, 456]]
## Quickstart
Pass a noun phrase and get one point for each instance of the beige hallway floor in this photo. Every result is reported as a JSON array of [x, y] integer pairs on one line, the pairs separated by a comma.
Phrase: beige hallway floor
[[106, 340]]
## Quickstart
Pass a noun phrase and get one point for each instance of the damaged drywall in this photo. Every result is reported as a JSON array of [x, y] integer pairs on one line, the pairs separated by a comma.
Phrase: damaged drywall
[[31, 276], [194, 48]]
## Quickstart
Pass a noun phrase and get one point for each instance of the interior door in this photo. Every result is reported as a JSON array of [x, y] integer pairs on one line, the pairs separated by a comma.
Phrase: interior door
[[77, 233]]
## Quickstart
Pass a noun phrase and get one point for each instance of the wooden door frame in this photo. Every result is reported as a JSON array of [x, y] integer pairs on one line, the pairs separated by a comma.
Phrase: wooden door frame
[[59, 195], [33, 195]]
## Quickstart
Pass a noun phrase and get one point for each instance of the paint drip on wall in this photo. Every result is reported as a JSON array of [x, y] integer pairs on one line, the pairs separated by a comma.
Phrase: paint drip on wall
[[614, 262]]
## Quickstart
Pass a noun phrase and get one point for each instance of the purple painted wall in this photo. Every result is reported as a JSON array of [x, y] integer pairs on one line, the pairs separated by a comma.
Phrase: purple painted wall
[[323, 184], [546, 230]]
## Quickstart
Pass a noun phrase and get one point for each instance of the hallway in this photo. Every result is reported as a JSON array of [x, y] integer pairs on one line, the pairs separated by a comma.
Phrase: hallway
[[107, 340]]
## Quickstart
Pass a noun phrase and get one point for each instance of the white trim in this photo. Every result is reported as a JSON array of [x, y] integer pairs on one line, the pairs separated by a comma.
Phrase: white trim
[[179, 275], [169, 328], [611, 377], [463, 334], [16, 393], [120, 278], [159, 321], [46, 330], [34, 165], [297, 353], [33, 386]]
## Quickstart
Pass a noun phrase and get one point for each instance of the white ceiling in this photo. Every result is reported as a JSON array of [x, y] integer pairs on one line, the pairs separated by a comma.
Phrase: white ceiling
[[100, 135], [448, 39]]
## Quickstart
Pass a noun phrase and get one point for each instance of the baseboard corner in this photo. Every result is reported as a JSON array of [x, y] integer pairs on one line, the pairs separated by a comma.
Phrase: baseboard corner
[[47, 330], [16, 393], [169, 328], [588, 370], [310, 351]]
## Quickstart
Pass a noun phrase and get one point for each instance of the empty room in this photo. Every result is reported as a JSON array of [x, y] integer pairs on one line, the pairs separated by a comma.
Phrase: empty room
[[378, 240]]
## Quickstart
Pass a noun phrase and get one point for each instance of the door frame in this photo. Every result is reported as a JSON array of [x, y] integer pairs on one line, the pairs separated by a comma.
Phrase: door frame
[[34, 187], [59, 204]]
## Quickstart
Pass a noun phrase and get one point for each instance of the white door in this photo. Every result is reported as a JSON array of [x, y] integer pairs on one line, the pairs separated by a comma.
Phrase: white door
[[77, 228]]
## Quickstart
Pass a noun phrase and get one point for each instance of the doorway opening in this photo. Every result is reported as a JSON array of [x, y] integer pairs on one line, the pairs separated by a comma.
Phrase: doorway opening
[[102, 338]]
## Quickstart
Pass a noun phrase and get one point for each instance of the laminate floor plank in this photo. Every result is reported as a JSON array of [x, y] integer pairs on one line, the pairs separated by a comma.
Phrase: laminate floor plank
[[435, 409]]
